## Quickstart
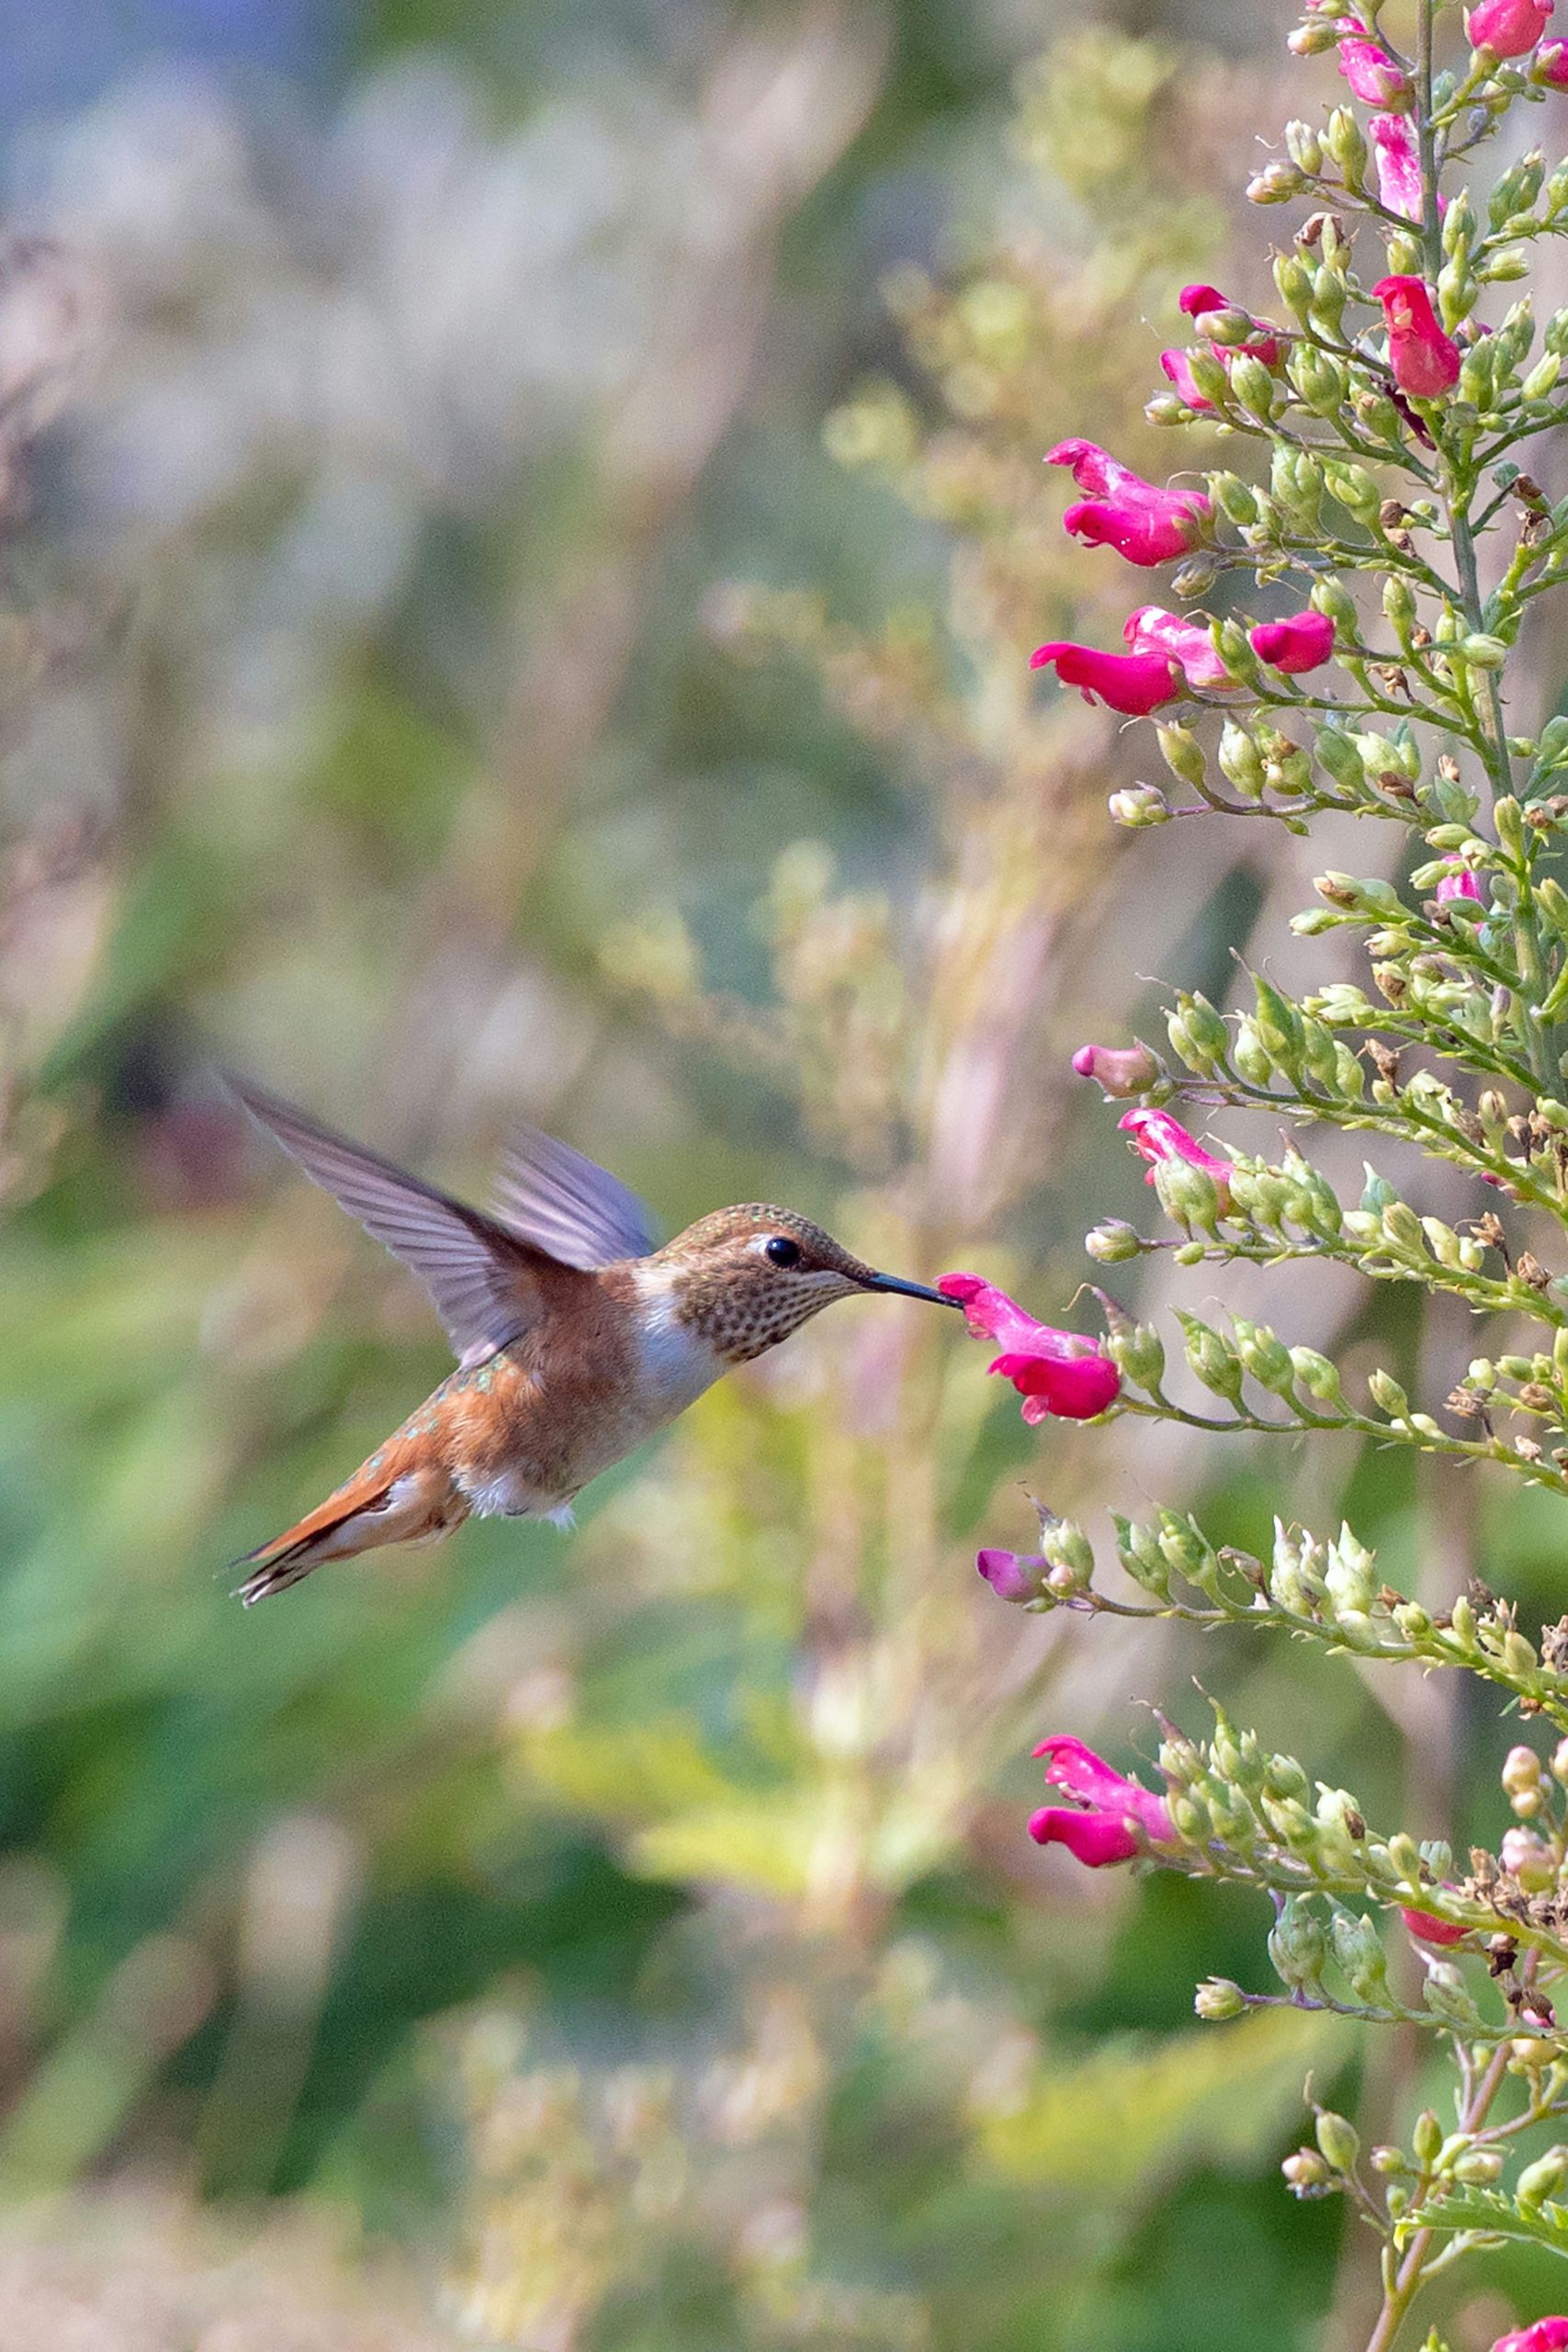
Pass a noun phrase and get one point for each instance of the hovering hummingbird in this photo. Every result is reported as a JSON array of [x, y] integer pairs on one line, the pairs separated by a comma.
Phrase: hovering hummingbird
[[576, 1336]]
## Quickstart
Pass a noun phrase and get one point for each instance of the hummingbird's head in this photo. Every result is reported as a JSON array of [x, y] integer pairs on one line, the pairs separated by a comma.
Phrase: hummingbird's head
[[743, 1279]]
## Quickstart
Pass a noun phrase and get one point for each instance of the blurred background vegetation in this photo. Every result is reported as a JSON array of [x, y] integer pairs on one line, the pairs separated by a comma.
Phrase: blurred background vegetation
[[523, 528]]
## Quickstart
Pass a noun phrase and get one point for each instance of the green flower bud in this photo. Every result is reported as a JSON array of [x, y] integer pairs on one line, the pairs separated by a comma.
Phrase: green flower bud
[[1183, 752], [1447, 1996], [1113, 1242], [1355, 489], [1297, 1945], [1358, 1950], [1266, 1357], [1140, 1555], [1427, 2138], [1480, 651], [1207, 1032], [1139, 1353], [1351, 1575], [1138, 805], [1388, 1395], [1400, 607], [1189, 1195], [1253, 386], [1331, 596], [1215, 1364], [1339, 2140], [1209, 376], [1346, 144], [1542, 376], [1542, 2180], [1070, 1555], [1291, 275], [1251, 1056], [1388, 2161], [1320, 379], [1279, 1026], [1218, 1998], [1479, 2166], [1316, 1374]]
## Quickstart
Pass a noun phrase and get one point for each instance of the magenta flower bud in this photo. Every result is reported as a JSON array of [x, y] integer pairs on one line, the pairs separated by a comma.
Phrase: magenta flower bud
[[1398, 160], [1133, 684], [1061, 1375], [1120, 1070], [1142, 521], [1159, 1138], [1151, 629], [1425, 362], [1193, 300], [1541, 2335], [1301, 641], [1459, 883], [1550, 65], [1116, 1819], [1012, 1576], [1373, 76], [1178, 367], [1507, 27], [1430, 1929]]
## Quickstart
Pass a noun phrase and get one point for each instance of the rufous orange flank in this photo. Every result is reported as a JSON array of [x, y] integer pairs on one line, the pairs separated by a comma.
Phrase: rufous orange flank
[[576, 1337]]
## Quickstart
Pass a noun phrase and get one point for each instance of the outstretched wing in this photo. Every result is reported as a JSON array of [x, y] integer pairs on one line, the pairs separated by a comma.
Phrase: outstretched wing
[[483, 1280], [566, 1204]]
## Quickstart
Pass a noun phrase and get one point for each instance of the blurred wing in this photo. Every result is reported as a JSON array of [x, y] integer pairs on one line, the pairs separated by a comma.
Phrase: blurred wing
[[483, 1280], [566, 1204]]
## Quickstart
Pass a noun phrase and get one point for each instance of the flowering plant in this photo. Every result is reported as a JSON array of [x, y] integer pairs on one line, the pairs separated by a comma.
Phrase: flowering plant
[[1395, 545]]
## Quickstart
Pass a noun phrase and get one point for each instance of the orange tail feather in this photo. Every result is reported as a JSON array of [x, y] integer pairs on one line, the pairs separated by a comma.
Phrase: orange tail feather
[[410, 1507]]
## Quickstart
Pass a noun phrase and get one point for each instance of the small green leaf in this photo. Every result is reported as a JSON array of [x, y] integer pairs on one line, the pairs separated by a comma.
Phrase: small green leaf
[[1492, 2213]]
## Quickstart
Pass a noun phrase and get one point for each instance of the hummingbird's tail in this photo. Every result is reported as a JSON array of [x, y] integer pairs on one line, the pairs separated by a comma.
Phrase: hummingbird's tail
[[417, 1505]]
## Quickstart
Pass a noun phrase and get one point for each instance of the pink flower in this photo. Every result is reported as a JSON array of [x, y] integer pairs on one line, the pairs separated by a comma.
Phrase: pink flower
[[1112, 1819], [1552, 64], [1158, 1137], [1373, 76], [1196, 302], [1121, 1069], [1507, 27], [1133, 684], [1193, 300], [1058, 1373], [1301, 641], [1178, 367], [1012, 1576], [1142, 521], [1151, 629], [1424, 360], [1541, 2335], [1398, 161], [1430, 1929], [1459, 883]]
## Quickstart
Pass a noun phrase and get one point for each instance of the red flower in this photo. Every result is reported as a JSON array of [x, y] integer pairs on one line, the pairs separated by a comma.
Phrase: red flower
[[1133, 684], [1507, 27], [1012, 1576], [1301, 641], [1059, 1375], [1112, 1819], [1460, 882], [1541, 2335], [1146, 524], [1424, 360], [1373, 76], [1151, 629], [1121, 1069], [1159, 1138], [1430, 1929]]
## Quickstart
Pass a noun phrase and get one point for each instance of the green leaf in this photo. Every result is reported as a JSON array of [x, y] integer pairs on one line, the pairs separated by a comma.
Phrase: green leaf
[[1493, 2212]]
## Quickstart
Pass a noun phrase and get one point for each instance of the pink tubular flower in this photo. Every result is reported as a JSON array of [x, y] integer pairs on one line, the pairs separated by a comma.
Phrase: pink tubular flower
[[1425, 362], [1121, 1069], [1373, 76], [1159, 1136], [1507, 27], [1059, 1375], [1430, 1929], [1541, 2335], [1178, 367], [1112, 1819], [1142, 521], [1301, 641], [1460, 882], [1398, 161], [1012, 1576], [1552, 64], [1196, 302], [1151, 629], [1133, 684]]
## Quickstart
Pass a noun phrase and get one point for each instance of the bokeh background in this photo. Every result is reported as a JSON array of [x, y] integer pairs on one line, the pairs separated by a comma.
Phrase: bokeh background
[[522, 531]]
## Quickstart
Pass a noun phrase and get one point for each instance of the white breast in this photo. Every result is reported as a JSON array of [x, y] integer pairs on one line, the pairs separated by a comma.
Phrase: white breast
[[675, 1364]]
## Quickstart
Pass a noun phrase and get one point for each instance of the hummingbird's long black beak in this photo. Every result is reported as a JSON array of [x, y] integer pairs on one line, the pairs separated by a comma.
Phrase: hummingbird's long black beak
[[909, 1290]]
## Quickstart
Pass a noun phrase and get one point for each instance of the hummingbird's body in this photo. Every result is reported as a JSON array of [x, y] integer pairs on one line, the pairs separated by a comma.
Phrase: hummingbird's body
[[577, 1338]]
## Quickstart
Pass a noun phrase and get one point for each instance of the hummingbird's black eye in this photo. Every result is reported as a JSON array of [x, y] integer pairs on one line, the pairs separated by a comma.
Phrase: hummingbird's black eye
[[783, 1251]]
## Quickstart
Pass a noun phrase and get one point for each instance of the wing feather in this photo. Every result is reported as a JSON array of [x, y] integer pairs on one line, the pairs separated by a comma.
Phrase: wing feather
[[566, 1204], [483, 1280]]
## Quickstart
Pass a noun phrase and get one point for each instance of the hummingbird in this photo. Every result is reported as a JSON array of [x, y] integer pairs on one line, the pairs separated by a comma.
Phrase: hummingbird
[[576, 1335]]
